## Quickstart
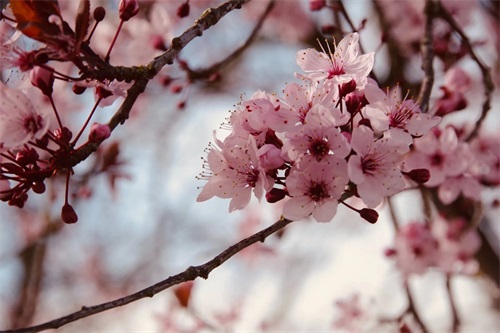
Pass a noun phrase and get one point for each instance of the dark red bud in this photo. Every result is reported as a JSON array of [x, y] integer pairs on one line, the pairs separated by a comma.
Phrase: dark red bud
[[347, 88], [183, 9], [68, 214], [275, 195], [368, 214], [27, 156], [38, 187], [78, 90], [128, 9], [328, 29], [18, 199], [99, 13], [420, 176], [102, 92], [63, 135]]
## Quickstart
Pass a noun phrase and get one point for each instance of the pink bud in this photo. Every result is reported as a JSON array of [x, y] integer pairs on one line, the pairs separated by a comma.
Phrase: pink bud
[[315, 5], [99, 132], [43, 79], [128, 9], [368, 214], [347, 88], [68, 214]]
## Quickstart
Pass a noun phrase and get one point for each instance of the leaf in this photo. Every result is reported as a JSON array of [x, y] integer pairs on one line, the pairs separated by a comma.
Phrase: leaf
[[32, 17], [82, 21]]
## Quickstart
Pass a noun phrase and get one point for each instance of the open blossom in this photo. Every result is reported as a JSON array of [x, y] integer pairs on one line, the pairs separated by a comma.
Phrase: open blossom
[[20, 122], [441, 153], [344, 65], [235, 172], [375, 167], [387, 110], [315, 189]]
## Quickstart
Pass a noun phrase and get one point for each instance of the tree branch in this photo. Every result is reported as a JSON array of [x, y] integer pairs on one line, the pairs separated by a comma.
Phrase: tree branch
[[485, 71], [427, 57], [189, 274], [209, 18]]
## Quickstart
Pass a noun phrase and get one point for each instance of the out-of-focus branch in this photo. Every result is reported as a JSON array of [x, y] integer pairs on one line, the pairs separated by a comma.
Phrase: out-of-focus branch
[[204, 73], [454, 312], [485, 71], [189, 274], [411, 304], [427, 57], [209, 18]]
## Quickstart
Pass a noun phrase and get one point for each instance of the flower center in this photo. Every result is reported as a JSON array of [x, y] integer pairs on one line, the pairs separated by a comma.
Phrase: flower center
[[318, 191]]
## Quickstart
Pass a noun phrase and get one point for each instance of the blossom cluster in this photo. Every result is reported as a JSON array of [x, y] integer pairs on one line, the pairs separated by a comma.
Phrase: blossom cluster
[[336, 135]]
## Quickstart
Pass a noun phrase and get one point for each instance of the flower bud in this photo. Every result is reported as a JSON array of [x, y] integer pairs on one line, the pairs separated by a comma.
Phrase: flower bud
[[38, 187], [368, 214], [68, 214], [99, 13], [183, 9], [78, 90], [270, 157], [43, 79], [347, 88], [419, 175], [99, 132], [315, 5], [355, 101], [64, 134], [275, 195], [27, 156], [128, 9]]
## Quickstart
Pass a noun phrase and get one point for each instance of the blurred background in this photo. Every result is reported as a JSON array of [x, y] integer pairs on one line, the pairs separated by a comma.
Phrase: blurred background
[[139, 221]]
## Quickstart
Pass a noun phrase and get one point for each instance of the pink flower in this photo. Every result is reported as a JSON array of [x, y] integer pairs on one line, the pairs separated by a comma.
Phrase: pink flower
[[316, 140], [234, 172], [441, 153], [416, 248], [456, 83], [19, 121], [375, 167], [315, 189], [387, 110], [458, 243], [342, 66], [352, 316]]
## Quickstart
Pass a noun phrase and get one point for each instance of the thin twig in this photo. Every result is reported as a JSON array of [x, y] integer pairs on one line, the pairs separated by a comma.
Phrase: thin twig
[[189, 274], [485, 71], [427, 57], [412, 309], [206, 72], [454, 312], [209, 18]]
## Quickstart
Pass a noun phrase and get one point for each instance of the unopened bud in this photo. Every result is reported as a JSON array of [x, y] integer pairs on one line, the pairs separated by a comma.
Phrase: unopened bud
[[420, 176], [63, 135], [315, 5], [329, 29], [183, 293], [99, 13], [183, 9], [43, 79], [78, 90], [347, 88], [38, 187], [27, 156], [354, 102], [275, 195], [128, 9], [99, 132], [368, 214], [68, 214]]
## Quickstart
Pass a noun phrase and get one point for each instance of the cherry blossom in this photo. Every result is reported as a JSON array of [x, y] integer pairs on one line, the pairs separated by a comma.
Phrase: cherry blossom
[[235, 173], [415, 248], [344, 65], [315, 189], [441, 153], [20, 122], [375, 167], [387, 110]]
